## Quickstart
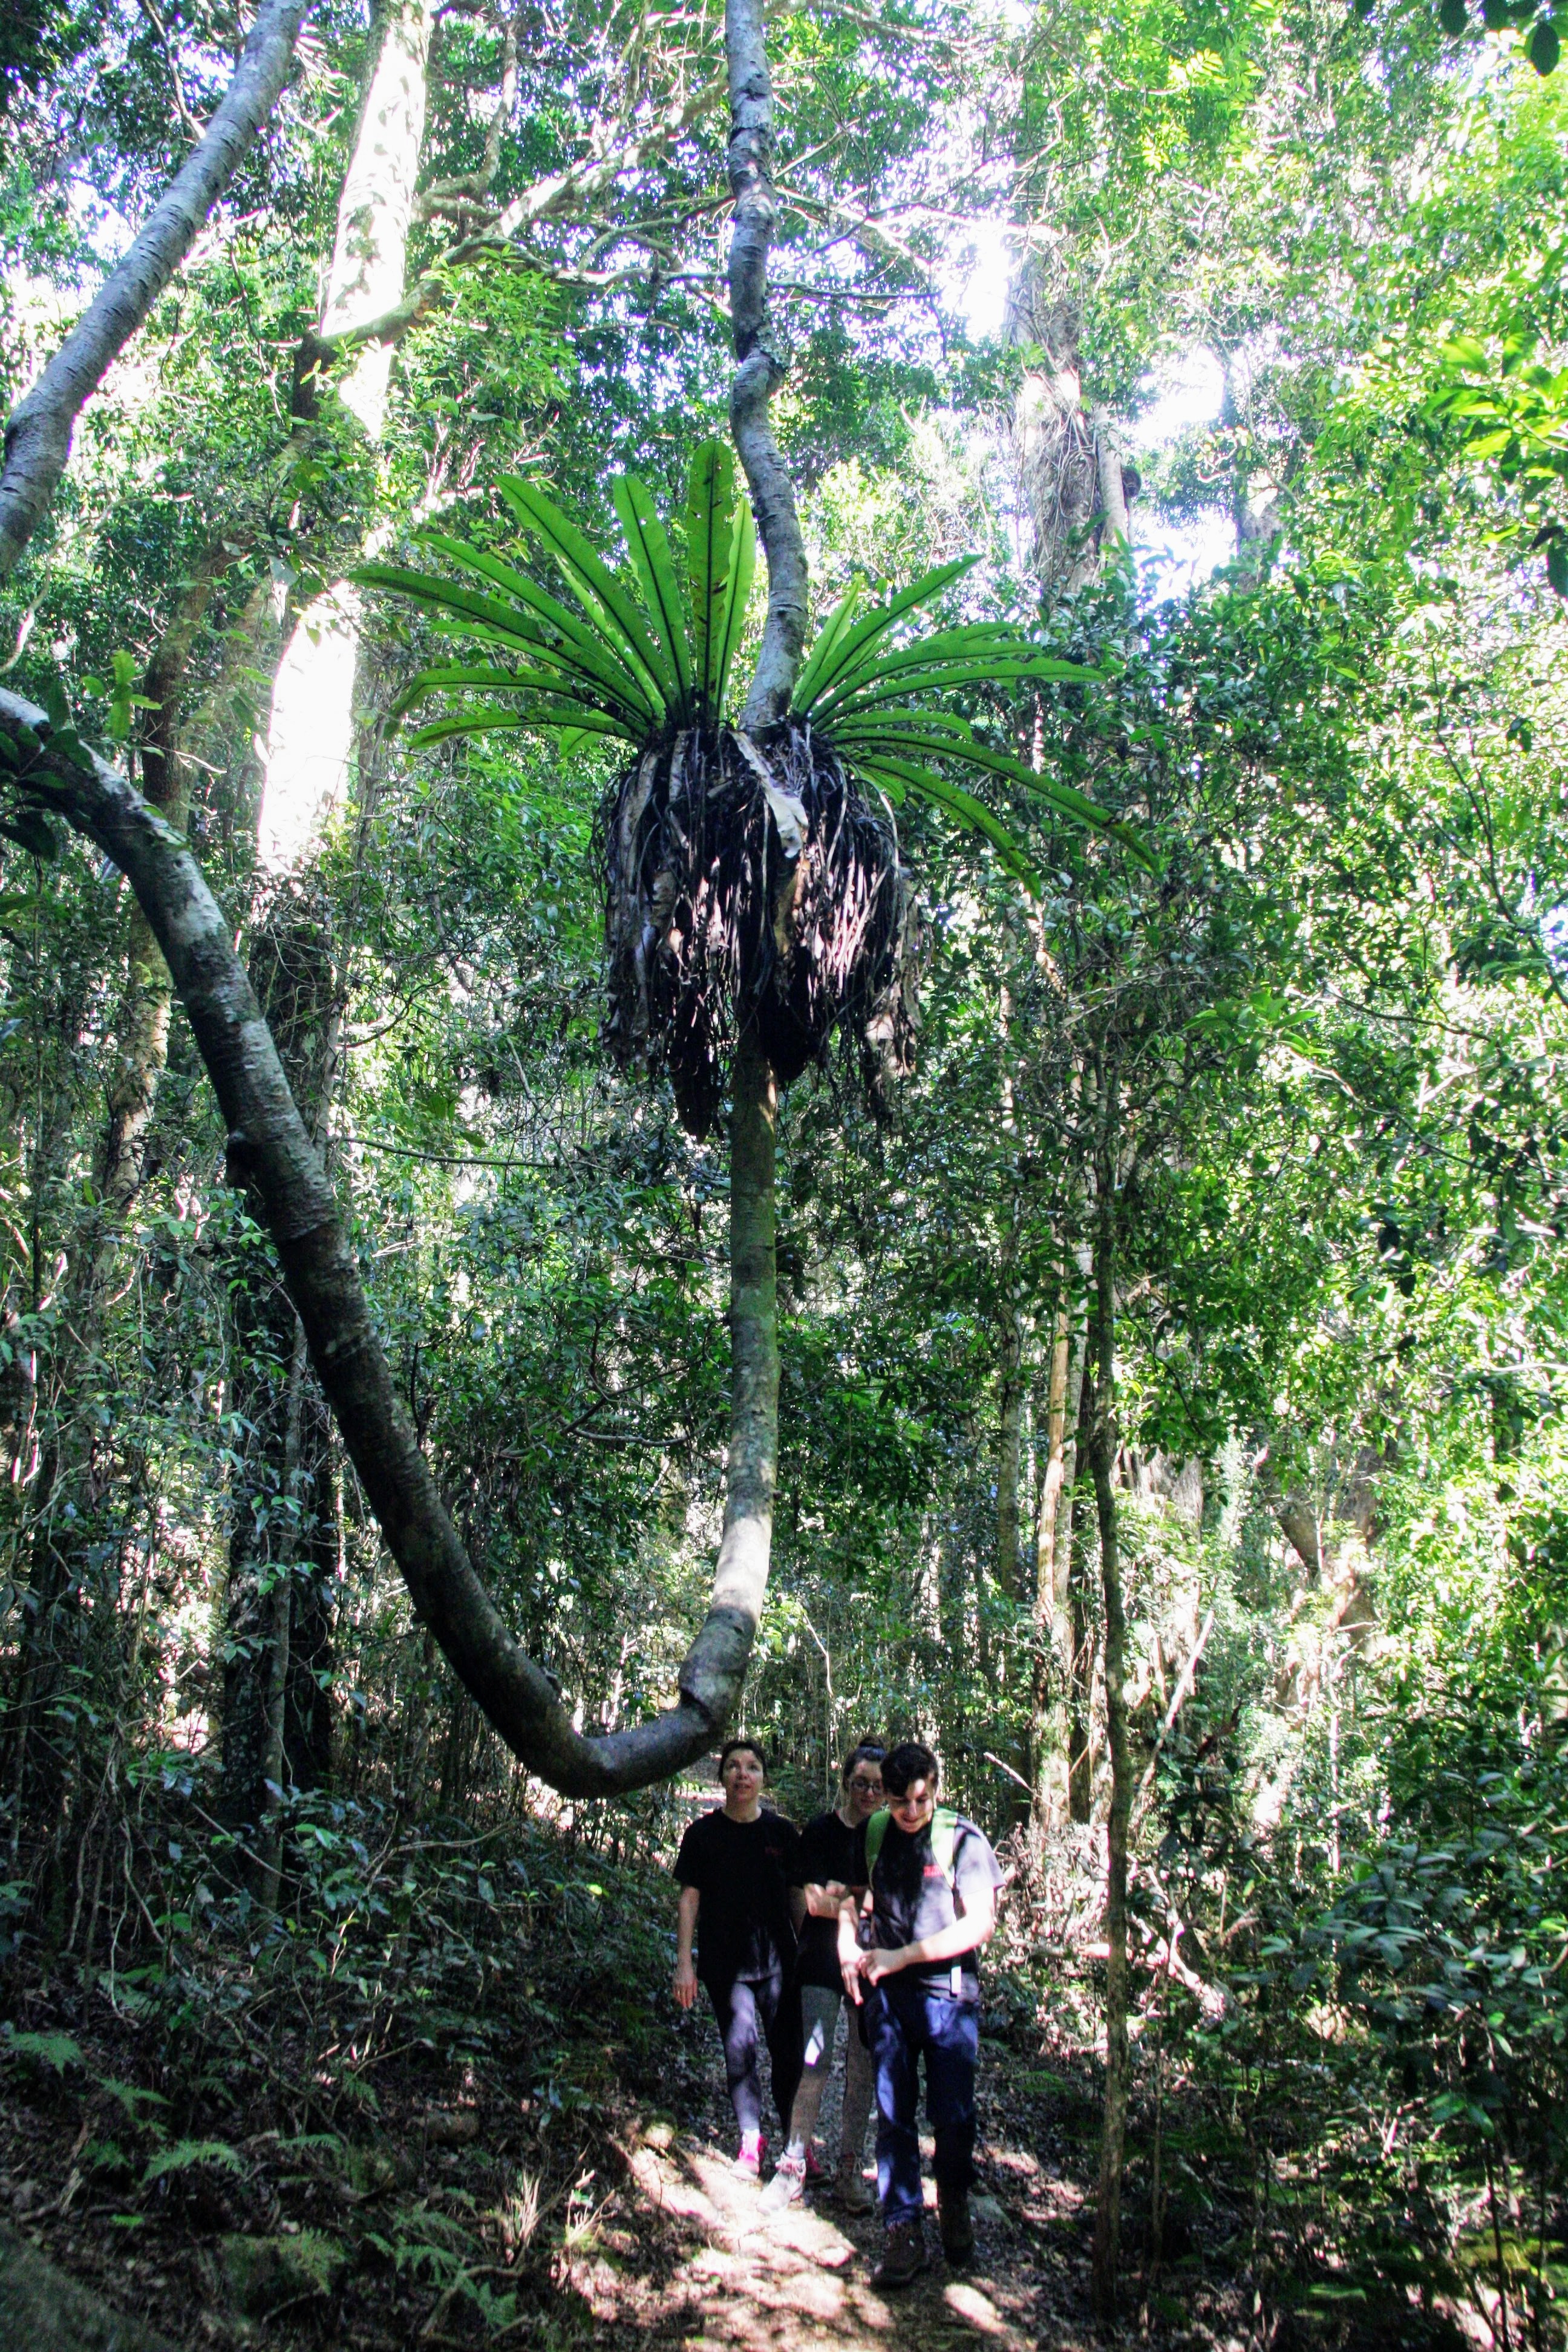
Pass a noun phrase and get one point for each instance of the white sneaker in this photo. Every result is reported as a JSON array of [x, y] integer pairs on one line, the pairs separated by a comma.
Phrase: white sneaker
[[787, 2184]]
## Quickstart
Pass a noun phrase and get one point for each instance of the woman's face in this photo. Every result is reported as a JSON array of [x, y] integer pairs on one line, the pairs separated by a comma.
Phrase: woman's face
[[864, 1789], [742, 1775]]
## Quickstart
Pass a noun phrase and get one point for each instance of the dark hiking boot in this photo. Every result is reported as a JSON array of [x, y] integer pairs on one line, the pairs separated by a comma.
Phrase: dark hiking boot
[[957, 2229], [903, 2255], [854, 2192]]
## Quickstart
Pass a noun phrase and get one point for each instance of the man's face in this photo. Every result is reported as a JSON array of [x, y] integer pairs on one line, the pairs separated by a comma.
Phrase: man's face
[[914, 1809], [742, 1775], [864, 1788]]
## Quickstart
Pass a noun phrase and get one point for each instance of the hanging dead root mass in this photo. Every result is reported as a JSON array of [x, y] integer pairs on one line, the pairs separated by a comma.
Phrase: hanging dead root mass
[[741, 886]]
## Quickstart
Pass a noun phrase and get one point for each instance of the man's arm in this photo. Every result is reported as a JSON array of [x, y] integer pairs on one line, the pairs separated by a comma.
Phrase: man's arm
[[975, 1928], [684, 1987]]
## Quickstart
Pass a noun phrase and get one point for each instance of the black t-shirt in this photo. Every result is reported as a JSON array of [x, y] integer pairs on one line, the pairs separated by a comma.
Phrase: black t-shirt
[[826, 1852], [911, 1898], [741, 1870]]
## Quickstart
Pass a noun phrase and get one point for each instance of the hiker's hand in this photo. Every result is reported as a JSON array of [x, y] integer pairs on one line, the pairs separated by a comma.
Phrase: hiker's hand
[[875, 1966], [827, 1901], [850, 1971], [684, 1987]]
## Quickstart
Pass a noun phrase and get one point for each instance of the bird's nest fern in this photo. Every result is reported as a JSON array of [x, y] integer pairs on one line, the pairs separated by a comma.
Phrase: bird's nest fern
[[744, 882]]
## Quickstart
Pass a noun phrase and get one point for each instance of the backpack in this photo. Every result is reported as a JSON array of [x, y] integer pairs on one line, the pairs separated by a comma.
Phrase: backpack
[[943, 1843]]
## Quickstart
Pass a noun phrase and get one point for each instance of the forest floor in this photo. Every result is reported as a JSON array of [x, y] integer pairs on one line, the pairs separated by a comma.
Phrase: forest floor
[[505, 2133]]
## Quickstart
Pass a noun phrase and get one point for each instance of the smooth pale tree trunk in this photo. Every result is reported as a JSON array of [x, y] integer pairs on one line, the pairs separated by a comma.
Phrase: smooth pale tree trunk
[[295, 963], [1107, 2252], [311, 736]]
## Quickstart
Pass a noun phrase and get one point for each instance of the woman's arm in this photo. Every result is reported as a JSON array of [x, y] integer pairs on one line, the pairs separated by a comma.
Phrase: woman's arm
[[850, 1955], [685, 1986]]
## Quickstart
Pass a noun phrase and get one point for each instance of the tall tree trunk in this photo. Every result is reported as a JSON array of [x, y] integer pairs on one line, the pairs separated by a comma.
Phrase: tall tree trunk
[[296, 965], [311, 735], [1053, 1716], [1102, 1454], [1014, 1384], [760, 365], [1081, 1639]]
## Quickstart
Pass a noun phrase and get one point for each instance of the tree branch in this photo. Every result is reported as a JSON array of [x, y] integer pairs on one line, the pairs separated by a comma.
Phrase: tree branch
[[38, 437], [760, 365], [267, 1135]]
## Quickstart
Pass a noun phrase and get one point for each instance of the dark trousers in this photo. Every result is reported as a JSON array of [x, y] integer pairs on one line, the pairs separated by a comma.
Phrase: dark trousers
[[904, 2022], [750, 2008]]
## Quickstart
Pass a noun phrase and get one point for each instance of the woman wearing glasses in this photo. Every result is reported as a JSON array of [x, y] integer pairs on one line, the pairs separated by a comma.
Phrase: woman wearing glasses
[[820, 1878]]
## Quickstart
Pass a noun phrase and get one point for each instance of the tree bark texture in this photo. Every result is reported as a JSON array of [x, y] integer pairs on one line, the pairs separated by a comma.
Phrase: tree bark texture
[[38, 437], [1112, 489], [1051, 1714], [1080, 1644], [760, 365], [268, 1137], [1106, 2255]]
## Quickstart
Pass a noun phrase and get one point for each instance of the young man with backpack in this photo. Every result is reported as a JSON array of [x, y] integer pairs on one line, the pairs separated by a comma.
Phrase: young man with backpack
[[823, 1872], [929, 1904]]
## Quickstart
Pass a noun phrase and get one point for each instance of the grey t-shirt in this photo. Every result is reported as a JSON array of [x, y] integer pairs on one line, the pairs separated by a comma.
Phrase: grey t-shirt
[[910, 1898]]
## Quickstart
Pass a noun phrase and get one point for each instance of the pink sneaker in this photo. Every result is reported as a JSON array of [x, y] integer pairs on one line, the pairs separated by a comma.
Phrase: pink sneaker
[[749, 2156], [813, 2171]]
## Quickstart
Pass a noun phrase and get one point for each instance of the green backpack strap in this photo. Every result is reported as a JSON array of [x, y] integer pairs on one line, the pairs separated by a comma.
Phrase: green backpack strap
[[943, 1840]]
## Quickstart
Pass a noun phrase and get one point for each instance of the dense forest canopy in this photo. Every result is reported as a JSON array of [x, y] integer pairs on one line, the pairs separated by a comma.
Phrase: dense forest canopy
[[742, 983]]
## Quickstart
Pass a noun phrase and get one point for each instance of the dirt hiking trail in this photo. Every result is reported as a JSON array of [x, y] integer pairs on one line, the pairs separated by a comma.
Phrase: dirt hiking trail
[[683, 2255]]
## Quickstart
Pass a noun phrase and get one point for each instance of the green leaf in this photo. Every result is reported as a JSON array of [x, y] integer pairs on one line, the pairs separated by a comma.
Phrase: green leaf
[[56, 2050], [742, 570], [933, 735], [827, 637], [709, 551], [472, 614], [1454, 18], [855, 644], [1557, 565], [591, 581], [576, 716], [1544, 48], [956, 803], [31, 831], [991, 666], [597, 651], [188, 2152], [649, 547]]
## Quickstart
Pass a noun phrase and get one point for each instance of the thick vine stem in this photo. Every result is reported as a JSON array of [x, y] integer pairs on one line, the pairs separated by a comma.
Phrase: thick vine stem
[[38, 436], [760, 367], [268, 1135]]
